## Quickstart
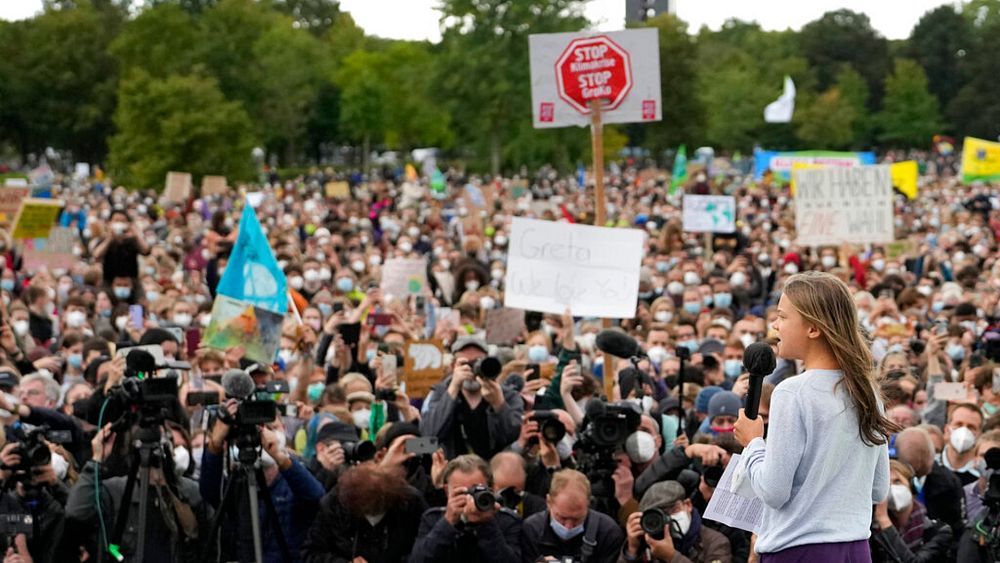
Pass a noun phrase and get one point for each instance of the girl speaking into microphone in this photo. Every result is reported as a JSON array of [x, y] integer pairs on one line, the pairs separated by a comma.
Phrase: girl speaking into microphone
[[826, 458]]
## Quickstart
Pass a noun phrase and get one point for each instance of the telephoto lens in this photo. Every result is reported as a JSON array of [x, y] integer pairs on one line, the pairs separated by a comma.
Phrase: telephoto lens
[[358, 452], [487, 368]]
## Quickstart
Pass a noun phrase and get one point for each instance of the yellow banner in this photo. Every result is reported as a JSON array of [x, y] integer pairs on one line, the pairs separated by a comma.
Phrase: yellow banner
[[980, 160], [36, 218], [904, 176]]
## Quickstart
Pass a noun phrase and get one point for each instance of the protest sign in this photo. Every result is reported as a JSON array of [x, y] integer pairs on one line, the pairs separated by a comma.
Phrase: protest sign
[[781, 163], [448, 316], [504, 325], [15, 183], [239, 323], [10, 201], [950, 391], [836, 205], [593, 271], [337, 190], [213, 185], [423, 366], [904, 176], [569, 70], [54, 252], [36, 218], [178, 187], [402, 277], [899, 249], [709, 213], [980, 160]]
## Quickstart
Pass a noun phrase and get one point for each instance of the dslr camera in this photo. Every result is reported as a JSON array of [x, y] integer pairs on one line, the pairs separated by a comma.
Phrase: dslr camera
[[33, 450], [653, 521], [484, 498], [550, 427], [358, 452]]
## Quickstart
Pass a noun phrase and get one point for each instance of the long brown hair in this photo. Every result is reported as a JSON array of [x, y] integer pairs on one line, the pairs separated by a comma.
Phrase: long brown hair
[[825, 301]]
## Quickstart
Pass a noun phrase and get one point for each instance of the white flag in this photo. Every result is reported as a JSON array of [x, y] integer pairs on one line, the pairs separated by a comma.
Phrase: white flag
[[780, 110]]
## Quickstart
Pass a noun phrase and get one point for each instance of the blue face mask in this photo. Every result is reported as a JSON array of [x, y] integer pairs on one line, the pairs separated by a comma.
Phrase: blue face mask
[[7, 285], [956, 352], [75, 361], [316, 391], [662, 266], [565, 533], [733, 368], [325, 309], [690, 345], [692, 307], [538, 354], [723, 299], [937, 306], [669, 423], [345, 284], [370, 354], [707, 300], [123, 292]]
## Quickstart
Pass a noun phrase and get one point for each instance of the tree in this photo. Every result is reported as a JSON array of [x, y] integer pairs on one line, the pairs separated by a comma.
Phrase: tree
[[178, 123], [854, 92], [826, 122], [909, 116], [938, 42], [975, 109], [363, 100], [315, 16], [844, 36], [161, 40]]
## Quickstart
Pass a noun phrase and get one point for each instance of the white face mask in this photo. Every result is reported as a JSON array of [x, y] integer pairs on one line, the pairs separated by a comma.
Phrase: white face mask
[[59, 465], [663, 316], [362, 418], [75, 319], [196, 456], [182, 460], [900, 497], [657, 354], [182, 320], [791, 268], [691, 278], [738, 279], [675, 288], [683, 520], [829, 261], [962, 439], [641, 447], [120, 323], [21, 327], [925, 290], [747, 339]]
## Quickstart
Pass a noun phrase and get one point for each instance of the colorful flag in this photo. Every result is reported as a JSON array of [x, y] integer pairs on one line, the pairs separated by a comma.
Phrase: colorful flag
[[252, 273], [679, 174], [437, 182], [980, 160], [904, 177]]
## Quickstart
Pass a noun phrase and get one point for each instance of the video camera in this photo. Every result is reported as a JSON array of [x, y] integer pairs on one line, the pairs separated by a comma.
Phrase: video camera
[[987, 529], [32, 449], [144, 398], [606, 428]]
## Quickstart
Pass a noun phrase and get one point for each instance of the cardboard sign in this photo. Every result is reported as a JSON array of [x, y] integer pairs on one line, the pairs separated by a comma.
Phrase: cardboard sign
[[950, 391], [423, 366], [240, 323], [593, 271], [337, 190], [178, 187], [36, 218], [709, 213], [213, 185], [504, 326], [10, 201], [837, 205], [403, 276], [55, 252]]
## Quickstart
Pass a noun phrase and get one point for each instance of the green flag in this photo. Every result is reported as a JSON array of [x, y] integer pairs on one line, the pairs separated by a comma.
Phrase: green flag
[[437, 182], [679, 175]]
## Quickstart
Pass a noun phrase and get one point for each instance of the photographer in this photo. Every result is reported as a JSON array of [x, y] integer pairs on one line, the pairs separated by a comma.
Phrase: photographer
[[293, 490], [372, 515], [568, 527], [509, 478], [541, 456], [177, 522], [469, 412], [461, 531], [37, 408], [683, 537], [328, 463]]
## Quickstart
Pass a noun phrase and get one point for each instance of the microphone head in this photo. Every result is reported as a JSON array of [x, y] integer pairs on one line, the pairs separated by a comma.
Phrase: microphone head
[[759, 360], [238, 384], [992, 458], [140, 361], [617, 344]]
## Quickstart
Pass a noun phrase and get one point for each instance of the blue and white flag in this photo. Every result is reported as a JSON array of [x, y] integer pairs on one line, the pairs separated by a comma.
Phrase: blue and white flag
[[252, 273]]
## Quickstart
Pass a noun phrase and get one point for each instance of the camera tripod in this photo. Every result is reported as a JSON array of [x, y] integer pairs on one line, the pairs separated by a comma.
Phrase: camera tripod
[[246, 475]]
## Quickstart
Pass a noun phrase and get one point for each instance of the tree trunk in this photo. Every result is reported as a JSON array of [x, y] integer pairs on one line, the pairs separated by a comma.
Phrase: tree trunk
[[366, 154]]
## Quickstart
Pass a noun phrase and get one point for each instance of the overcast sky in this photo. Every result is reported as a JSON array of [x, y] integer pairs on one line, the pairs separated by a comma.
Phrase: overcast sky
[[417, 19]]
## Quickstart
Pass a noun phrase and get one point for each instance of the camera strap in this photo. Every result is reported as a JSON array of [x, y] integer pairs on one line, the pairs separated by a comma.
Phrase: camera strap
[[589, 538]]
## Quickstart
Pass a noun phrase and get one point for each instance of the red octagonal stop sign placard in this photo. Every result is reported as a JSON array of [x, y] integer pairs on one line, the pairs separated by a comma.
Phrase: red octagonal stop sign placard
[[593, 68]]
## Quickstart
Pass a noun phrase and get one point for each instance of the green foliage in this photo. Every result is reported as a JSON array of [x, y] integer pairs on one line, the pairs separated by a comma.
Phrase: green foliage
[[909, 116], [841, 37], [827, 121], [939, 42], [178, 123]]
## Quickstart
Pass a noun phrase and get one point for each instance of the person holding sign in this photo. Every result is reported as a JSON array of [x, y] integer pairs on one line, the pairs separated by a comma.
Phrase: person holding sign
[[830, 416]]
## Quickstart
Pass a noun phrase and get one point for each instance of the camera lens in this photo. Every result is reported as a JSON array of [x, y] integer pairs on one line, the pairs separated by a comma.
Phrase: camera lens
[[483, 498], [552, 431], [358, 452], [653, 521], [488, 368]]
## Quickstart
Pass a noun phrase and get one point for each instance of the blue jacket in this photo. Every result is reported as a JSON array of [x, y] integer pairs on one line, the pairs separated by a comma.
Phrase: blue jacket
[[296, 495]]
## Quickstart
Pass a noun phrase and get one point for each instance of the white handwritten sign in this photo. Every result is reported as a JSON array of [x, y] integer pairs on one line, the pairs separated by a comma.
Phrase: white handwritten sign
[[593, 271], [404, 276], [709, 214], [836, 205]]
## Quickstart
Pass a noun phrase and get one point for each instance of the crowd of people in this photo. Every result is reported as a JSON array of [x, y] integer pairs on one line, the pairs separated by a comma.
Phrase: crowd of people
[[506, 468]]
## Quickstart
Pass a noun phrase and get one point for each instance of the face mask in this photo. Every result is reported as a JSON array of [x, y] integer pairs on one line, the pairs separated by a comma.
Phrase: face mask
[[150, 295], [937, 306], [500, 240], [296, 282], [21, 327], [471, 285], [7, 285], [182, 460], [691, 345], [657, 354], [311, 276], [956, 352], [791, 268], [487, 302], [75, 319], [345, 285], [747, 339], [878, 264], [375, 260], [718, 430], [692, 307], [733, 368], [75, 361], [925, 290], [675, 288], [738, 279], [565, 446], [325, 309], [538, 354], [405, 247], [120, 323], [196, 456], [59, 465], [669, 423], [362, 418], [316, 391], [287, 356], [205, 320], [358, 266], [990, 409], [962, 439], [564, 533], [900, 497], [123, 292], [691, 278], [496, 274], [722, 299], [182, 320], [683, 521], [663, 316], [640, 446], [828, 261]]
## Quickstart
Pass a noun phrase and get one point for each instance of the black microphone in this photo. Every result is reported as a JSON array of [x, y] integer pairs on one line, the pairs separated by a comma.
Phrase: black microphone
[[238, 384], [759, 361], [618, 344], [139, 362]]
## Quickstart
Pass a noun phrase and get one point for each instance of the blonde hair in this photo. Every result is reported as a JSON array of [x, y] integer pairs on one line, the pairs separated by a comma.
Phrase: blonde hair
[[903, 469], [569, 478], [825, 302]]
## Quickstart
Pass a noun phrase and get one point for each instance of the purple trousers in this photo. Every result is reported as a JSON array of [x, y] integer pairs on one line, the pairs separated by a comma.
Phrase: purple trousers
[[844, 552]]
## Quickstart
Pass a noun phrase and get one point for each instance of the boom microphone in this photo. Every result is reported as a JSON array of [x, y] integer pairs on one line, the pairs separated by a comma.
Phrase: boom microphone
[[618, 344], [759, 361], [238, 384]]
